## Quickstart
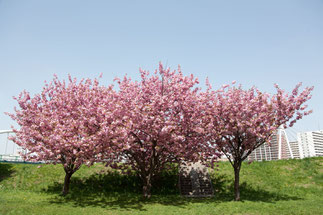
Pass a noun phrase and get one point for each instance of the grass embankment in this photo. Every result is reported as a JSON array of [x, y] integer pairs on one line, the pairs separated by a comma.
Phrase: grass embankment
[[272, 187]]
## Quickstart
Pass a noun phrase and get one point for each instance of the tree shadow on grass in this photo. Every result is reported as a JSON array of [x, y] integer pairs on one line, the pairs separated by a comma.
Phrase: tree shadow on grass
[[123, 192], [119, 201], [116, 191], [224, 191], [6, 170]]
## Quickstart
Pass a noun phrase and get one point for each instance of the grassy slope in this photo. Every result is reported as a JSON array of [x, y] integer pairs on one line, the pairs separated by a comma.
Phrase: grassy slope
[[275, 187]]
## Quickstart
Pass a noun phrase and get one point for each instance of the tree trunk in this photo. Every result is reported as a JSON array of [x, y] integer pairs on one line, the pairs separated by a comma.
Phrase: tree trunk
[[146, 189], [67, 181], [237, 167]]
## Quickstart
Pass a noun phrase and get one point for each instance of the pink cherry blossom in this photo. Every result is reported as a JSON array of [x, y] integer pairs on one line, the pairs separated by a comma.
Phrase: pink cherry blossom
[[242, 120], [66, 123], [161, 118]]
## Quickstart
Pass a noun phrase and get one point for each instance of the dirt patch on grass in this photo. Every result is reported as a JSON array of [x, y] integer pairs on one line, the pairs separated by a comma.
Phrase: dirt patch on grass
[[305, 185]]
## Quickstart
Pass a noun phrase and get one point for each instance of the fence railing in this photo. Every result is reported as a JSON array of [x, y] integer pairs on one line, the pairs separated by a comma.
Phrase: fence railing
[[11, 158]]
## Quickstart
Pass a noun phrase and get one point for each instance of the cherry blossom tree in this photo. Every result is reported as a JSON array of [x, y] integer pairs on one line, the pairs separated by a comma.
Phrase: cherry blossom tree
[[160, 115], [242, 120], [68, 123]]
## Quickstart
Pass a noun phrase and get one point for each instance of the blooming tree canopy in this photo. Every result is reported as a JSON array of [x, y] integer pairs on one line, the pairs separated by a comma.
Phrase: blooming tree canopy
[[161, 117], [66, 123], [242, 120]]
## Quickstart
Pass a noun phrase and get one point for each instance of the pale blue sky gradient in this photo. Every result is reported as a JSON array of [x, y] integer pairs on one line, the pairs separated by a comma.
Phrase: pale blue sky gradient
[[254, 42]]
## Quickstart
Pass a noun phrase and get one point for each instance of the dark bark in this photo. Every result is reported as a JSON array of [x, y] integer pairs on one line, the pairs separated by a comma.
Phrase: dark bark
[[67, 181], [146, 189], [237, 167], [147, 178]]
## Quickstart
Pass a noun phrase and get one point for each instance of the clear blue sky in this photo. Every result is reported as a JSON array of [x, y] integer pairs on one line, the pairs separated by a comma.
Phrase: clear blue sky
[[254, 42]]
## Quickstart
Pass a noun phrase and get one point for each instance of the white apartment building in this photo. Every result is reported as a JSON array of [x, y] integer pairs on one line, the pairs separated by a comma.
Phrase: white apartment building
[[278, 148], [311, 143], [295, 148]]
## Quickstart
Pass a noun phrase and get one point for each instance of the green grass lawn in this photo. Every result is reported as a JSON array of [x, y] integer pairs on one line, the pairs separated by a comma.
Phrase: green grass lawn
[[271, 187]]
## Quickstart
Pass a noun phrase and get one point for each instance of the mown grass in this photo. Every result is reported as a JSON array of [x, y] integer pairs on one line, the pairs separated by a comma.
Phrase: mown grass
[[271, 187]]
